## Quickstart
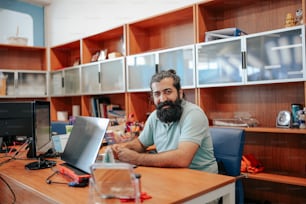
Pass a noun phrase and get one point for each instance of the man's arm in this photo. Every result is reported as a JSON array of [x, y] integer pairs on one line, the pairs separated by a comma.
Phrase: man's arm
[[180, 157]]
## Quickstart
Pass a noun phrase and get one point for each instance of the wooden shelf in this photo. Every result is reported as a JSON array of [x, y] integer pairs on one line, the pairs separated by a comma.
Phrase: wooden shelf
[[298, 181], [22, 57], [276, 130], [112, 40], [262, 102], [248, 15], [164, 31], [65, 55]]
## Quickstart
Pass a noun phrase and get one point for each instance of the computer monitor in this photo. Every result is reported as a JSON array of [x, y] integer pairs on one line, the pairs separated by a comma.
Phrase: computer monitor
[[26, 119]]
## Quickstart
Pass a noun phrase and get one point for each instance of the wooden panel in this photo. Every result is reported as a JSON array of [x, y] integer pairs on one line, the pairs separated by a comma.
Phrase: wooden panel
[[85, 106], [112, 40], [65, 55], [249, 15], [164, 31], [140, 104], [261, 191], [282, 154], [63, 104], [263, 102], [22, 58]]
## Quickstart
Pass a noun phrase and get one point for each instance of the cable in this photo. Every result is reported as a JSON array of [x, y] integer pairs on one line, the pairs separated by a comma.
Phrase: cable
[[16, 152], [10, 188]]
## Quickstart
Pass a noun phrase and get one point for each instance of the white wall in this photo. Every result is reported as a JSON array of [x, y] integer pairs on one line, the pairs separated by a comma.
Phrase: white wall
[[69, 20]]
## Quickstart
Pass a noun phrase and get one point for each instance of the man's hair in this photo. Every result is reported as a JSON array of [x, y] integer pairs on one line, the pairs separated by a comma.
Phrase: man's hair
[[167, 74]]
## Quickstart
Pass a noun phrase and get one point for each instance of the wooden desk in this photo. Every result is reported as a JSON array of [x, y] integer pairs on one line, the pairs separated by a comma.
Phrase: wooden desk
[[165, 185]]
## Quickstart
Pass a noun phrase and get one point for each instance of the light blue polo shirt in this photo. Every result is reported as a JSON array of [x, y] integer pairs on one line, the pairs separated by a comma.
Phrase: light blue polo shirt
[[192, 127]]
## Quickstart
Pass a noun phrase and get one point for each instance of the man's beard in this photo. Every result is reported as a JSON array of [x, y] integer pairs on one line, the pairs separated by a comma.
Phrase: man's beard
[[170, 114]]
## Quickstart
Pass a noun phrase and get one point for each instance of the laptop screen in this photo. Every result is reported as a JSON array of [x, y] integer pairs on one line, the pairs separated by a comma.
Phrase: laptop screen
[[84, 142]]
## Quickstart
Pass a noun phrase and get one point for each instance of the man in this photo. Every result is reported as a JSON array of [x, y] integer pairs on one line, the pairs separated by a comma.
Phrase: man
[[177, 128]]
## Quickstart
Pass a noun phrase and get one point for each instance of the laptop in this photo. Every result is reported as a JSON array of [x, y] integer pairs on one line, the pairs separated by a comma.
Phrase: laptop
[[83, 146]]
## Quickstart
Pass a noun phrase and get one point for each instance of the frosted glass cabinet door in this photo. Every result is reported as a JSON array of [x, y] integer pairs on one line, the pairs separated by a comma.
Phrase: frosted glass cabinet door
[[72, 81], [7, 83], [181, 60], [219, 63], [140, 69], [31, 84], [113, 76], [56, 83], [275, 56], [90, 78]]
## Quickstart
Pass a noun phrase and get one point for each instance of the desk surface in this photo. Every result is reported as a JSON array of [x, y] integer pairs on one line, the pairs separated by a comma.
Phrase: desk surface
[[165, 185]]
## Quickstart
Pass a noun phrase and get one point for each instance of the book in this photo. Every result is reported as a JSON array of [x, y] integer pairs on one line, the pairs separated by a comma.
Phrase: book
[[223, 33]]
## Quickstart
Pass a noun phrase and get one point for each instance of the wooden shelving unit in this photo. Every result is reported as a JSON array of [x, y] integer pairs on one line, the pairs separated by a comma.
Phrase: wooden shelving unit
[[282, 151]]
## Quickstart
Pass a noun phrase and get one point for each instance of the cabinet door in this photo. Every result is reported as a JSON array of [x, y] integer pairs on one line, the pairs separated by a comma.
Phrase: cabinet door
[[113, 76], [219, 63], [7, 83], [72, 81], [56, 83], [275, 56], [31, 84], [140, 69], [90, 74], [182, 60]]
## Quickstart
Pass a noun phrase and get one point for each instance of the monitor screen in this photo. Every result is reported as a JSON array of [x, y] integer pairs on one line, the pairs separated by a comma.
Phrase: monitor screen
[[42, 126], [28, 120]]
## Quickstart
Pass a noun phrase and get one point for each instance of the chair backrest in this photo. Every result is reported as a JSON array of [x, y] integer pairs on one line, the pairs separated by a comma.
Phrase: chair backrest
[[228, 147], [59, 127]]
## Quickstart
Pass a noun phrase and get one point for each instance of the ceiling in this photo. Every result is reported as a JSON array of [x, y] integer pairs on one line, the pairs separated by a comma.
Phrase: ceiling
[[38, 2]]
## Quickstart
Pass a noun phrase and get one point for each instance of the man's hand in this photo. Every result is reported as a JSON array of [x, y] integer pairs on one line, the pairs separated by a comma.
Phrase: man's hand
[[127, 155]]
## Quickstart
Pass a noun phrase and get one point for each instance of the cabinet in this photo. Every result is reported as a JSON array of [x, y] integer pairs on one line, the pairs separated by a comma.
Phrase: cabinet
[[99, 77], [277, 56], [76, 76], [23, 72], [220, 63], [266, 57]]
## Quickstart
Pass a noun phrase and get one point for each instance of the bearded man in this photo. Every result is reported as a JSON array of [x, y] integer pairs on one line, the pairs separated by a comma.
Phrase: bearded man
[[179, 130]]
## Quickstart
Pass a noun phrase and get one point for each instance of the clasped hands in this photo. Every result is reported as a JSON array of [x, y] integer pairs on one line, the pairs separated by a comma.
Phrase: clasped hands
[[125, 154]]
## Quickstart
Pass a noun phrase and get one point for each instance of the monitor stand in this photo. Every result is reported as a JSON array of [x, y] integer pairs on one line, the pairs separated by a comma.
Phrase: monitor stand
[[40, 164], [6, 149]]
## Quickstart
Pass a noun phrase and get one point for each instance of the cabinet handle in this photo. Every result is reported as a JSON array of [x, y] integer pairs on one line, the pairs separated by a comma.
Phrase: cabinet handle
[[63, 82], [99, 78], [156, 68], [243, 59]]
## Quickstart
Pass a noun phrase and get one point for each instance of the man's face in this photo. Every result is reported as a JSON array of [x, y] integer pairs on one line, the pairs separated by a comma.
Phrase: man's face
[[167, 100]]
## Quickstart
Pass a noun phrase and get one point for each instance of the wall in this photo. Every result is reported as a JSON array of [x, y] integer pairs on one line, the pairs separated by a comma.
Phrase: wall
[[30, 23], [69, 20]]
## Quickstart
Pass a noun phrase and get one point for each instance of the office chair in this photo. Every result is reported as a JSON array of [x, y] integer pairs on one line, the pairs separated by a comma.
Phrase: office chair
[[58, 127], [228, 146]]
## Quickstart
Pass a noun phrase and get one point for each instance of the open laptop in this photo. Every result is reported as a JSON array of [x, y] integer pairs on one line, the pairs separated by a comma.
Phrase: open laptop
[[83, 146]]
